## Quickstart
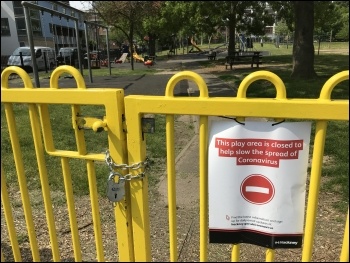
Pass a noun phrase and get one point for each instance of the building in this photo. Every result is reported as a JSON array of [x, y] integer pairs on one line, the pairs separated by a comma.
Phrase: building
[[48, 29]]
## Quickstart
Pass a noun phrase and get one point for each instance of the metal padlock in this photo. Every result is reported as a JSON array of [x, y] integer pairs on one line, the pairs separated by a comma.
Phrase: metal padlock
[[115, 190]]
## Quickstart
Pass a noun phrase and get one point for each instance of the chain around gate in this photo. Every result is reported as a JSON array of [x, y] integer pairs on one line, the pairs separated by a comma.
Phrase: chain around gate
[[116, 189]]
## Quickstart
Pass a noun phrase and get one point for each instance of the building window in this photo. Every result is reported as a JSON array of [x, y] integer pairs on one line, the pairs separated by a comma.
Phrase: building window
[[17, 8], [36, 27], [63, 10], [54, 7], [72, 13], [21, 27], [5, 27], [34, 14], [268, 30]]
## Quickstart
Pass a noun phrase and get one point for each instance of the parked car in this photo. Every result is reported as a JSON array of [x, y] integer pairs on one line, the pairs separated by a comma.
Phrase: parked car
[[68, 56], [21, 57]]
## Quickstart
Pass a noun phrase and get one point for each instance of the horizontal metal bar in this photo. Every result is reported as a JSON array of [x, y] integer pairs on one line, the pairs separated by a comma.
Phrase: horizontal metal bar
[[318, 109], [59, 96], [41, 8], [76, 155], [94, 24]]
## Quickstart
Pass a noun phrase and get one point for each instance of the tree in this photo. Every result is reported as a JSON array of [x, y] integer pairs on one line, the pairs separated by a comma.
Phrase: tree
[[281, 28], [303, 46], [342, 8], [126, 16], [161, 24], [249, 17], [299, 17], [184, 19], [325, 28]]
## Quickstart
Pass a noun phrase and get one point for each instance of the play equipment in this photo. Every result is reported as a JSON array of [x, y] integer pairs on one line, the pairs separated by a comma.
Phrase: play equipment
[[121, 59], [149, 61], [138, 58], [194, 45]]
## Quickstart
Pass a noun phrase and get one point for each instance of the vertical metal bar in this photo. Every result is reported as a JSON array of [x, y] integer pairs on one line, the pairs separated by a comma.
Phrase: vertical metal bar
[[46, 127], [95, 210], [108, 55], [117, 145], [31, 45], [39, 151], [171, 187], [235, 253], [344, 255], [11, 229], [17, 154], [68, 185], [315, 177], [270, 255], [138, 188], [203, 187], [76, 25], [79, 133], [88, 51]]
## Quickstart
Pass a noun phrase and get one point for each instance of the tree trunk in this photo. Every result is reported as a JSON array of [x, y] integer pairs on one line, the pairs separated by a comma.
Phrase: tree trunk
[[232, 38], [131, 50], [152, 44], [131, 45], [303, 46]]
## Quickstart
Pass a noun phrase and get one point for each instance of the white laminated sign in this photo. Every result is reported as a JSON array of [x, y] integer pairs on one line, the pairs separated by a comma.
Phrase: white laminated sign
[[257, 182]]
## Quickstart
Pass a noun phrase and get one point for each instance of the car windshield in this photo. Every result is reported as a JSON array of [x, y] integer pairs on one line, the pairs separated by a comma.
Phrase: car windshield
[[66, 51], [25, 51]]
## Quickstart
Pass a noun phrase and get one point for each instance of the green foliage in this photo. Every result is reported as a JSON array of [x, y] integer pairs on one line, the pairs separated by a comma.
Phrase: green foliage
[[337, 21], [127, 16], [331, 24], [342, 8], [282, 28], [284, 10]]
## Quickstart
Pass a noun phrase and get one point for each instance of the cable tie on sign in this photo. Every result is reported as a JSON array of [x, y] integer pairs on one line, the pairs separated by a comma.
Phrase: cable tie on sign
[[276, 123], [242, 123]]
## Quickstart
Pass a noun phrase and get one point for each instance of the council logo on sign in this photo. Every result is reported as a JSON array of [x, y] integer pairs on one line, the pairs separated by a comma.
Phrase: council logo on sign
[[257, 189]]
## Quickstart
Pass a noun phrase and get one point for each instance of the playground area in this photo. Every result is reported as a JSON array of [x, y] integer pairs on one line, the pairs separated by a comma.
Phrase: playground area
[[130, 78], [156, 78]]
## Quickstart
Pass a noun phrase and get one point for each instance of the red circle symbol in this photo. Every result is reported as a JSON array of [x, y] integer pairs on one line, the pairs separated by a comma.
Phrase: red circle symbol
[[257, 189]]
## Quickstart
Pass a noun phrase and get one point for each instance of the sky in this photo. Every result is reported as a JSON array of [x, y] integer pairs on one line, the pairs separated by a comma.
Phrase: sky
[[82, 5]]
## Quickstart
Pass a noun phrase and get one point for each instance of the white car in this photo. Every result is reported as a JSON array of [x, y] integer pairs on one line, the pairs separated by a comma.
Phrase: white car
[[21, 57]]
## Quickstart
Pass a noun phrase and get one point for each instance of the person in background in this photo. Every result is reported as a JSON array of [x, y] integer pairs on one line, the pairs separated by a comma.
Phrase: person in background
[[261, 42]]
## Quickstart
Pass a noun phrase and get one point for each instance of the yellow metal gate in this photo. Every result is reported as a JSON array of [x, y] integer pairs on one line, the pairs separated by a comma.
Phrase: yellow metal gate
[[124, 159], [38, 101]]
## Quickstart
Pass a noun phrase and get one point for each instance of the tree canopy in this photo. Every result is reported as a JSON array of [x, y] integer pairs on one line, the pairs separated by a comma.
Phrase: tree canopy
[[164, 19]]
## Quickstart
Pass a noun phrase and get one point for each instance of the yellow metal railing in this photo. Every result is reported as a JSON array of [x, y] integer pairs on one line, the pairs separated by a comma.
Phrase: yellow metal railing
[[321, 110], [132, 214]]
